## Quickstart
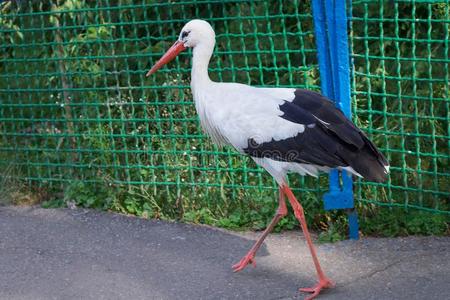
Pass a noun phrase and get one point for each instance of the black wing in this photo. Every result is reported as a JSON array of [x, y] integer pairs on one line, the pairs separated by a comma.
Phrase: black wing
[[329, 139]]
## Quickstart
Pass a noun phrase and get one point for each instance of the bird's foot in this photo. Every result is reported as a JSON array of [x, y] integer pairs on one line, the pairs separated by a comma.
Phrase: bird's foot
[[323, 283], [247, 259]]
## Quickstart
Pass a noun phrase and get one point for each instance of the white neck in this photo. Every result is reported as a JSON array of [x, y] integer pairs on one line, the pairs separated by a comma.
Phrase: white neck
[[200, 60]]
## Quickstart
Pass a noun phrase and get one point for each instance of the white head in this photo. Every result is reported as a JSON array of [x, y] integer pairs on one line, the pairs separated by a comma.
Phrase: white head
[[196, 34]]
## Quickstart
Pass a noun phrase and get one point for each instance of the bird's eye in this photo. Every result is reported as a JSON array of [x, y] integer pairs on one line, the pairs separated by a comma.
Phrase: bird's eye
[[184, 34]]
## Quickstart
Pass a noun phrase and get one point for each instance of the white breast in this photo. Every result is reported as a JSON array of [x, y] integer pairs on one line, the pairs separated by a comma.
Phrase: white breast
[[205, 106]]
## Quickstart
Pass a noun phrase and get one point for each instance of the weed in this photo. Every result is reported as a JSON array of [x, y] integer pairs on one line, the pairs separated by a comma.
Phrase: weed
[[390, 222]]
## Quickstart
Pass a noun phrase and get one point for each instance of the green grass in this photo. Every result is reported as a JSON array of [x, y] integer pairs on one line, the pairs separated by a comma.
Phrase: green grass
[[253, 212]]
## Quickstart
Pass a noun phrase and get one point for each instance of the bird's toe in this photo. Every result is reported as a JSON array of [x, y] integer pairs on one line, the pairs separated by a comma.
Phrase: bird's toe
[[248, 259], [315, 290]]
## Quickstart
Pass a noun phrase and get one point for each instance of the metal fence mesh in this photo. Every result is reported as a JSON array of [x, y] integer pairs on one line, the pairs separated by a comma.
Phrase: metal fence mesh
[[76, 108], [401, 97]]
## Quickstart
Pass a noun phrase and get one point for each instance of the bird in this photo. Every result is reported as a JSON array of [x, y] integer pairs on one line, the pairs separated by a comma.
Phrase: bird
[[284, 130]]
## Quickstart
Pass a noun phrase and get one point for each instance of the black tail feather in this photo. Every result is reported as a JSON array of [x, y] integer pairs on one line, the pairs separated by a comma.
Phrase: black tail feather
[[368, 161]]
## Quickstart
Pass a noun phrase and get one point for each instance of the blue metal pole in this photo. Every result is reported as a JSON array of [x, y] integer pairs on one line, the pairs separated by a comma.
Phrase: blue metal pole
[[330, 25]]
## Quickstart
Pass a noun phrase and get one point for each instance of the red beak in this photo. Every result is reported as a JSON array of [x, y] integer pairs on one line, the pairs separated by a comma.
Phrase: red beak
[[169, 56]]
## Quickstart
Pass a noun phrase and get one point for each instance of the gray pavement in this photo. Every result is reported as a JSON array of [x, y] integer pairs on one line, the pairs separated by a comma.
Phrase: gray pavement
[[85, 254]]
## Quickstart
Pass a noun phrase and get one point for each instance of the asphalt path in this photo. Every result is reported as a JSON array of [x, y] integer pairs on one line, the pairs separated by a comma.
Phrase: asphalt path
[[85, 254]]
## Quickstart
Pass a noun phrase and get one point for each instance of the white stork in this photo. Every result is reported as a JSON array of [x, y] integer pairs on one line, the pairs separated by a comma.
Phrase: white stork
[[282, 129]]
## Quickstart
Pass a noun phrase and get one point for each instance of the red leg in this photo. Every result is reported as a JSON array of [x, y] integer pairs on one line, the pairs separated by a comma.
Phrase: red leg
[[324, 282], [250, 256]]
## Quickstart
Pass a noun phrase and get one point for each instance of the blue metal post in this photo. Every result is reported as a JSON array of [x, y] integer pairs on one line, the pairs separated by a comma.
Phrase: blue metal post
[[330, 25]]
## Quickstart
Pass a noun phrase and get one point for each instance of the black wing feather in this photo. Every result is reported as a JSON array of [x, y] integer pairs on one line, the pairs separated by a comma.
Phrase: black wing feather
[[325, 110], [329, 139]]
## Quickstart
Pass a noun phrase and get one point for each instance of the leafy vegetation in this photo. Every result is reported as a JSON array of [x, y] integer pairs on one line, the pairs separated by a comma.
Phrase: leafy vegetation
[[82, 126]]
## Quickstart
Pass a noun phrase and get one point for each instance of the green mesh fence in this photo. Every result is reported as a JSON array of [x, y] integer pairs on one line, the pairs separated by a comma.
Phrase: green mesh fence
[[400, 52], [77, 111]]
